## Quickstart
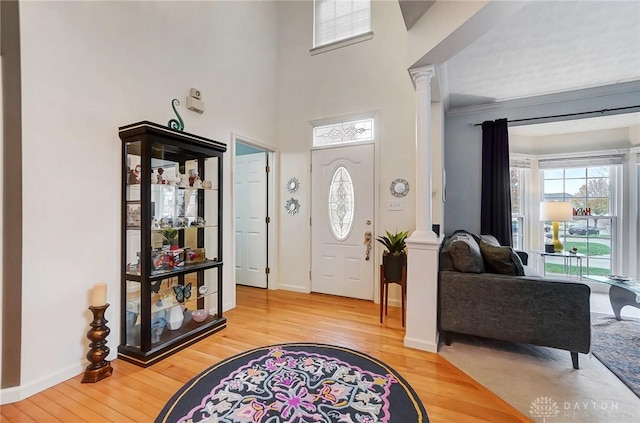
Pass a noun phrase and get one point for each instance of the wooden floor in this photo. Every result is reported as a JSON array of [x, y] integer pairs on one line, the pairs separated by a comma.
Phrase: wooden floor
[[261, 318]]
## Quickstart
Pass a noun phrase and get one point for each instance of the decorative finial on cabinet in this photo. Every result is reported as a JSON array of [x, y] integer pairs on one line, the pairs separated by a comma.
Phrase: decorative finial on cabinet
[[177, 124]]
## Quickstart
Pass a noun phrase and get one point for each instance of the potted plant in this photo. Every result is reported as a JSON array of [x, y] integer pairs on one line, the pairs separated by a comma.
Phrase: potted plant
[[394, 258], [170, 237]]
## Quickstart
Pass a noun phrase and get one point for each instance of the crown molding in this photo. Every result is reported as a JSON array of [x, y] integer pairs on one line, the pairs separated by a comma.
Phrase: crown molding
[[601, 91]]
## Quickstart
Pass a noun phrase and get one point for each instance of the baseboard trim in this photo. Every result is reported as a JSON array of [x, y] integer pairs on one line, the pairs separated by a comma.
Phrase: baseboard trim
[[18, 393], [419, 344], [294, 288]]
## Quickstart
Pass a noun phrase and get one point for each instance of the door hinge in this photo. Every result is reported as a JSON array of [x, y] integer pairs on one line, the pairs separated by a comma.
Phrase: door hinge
[[267, 169], [310, 167], [309, 274], [309, 221], [267, 270], [268, 219]]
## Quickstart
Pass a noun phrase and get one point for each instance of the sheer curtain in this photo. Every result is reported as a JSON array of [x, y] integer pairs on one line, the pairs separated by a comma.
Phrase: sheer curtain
[[495, 213]]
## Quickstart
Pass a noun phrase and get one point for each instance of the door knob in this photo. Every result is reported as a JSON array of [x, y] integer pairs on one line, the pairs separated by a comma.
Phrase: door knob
[[367, 243]]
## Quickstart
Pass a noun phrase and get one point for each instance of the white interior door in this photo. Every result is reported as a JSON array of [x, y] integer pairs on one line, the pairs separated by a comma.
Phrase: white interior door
[[342, 213], [251, 212]]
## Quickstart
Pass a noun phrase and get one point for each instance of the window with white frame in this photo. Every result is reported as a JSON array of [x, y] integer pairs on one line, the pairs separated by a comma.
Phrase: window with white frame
[[517, 206], [591, 188], [337, 20], [344, 132]]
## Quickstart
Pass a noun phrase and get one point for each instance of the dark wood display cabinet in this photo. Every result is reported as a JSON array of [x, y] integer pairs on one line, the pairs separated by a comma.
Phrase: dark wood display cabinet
[[171, 289]]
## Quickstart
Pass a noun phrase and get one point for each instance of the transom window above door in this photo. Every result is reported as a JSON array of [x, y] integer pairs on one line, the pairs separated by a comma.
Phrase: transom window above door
[[344, 132]]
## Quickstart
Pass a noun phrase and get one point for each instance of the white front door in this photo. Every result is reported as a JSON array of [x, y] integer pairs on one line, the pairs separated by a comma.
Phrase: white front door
[[251, 212], [342, 213]]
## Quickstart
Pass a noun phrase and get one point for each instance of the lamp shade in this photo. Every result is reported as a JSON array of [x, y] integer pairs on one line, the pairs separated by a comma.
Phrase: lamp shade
[[556, 211]]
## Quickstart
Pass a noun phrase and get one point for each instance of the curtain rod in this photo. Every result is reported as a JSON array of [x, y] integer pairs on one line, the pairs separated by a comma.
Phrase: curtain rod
[[569, 114]]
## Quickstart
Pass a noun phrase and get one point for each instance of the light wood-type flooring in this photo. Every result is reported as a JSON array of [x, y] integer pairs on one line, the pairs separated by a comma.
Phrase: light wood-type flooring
[[262, 318]]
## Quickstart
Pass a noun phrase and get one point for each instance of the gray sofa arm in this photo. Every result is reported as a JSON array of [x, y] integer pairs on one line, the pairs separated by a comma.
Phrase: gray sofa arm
[[524, 256], [540, 311]]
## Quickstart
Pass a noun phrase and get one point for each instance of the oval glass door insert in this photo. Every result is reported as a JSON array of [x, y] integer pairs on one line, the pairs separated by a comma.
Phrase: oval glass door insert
[[341, 203]]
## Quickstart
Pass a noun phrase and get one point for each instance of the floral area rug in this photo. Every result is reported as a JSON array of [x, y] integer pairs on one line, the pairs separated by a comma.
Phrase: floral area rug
[[295, 383], [616, 343]]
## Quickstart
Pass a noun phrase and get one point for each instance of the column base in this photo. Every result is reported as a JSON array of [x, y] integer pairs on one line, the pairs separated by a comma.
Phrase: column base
[[422, 292], [422, 345], [421, 236]]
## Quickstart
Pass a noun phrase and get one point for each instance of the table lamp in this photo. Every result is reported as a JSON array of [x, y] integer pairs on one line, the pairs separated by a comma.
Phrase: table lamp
[[556, 211]]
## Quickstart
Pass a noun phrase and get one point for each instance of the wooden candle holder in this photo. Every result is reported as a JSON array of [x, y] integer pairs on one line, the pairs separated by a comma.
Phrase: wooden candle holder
[[99, 368]]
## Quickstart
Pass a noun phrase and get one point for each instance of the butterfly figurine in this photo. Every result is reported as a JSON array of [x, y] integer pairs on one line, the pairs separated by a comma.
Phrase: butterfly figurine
[[155, 286], [183, 292]]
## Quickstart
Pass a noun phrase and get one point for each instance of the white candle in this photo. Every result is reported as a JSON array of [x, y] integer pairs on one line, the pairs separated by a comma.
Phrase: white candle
[[99, 294]]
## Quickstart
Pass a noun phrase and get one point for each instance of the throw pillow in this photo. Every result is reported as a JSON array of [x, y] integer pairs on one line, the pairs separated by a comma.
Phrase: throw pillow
[[490, 239], [502, 260], [465, 254]]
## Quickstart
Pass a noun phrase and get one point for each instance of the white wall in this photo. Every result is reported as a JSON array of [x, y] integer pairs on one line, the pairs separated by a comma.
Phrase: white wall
[[463, 141], [88, 68], [369, 76], [606, 139]]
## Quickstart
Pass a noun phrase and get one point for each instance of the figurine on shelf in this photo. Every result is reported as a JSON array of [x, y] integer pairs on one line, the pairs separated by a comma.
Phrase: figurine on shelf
[[161, 179], [134, 175], [154, 177], [193, 174], [198, 221], [180, 222], [166, 222], [184, 180], [171, 178], [207, 184]]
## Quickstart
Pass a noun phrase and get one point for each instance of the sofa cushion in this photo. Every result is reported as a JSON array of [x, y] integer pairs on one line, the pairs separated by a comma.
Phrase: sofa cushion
[[465, 254], [501, 259], [490, 239]]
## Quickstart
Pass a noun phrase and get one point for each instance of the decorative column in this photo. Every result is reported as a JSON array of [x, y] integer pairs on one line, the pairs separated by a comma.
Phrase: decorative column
[[423, 244], [422, 81]]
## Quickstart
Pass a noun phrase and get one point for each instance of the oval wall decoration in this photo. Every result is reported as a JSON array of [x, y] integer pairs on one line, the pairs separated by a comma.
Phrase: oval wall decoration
[[341, 203]]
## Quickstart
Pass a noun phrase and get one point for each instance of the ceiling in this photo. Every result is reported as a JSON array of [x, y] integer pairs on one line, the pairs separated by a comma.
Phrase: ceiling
[[413, 10], [549, 47]]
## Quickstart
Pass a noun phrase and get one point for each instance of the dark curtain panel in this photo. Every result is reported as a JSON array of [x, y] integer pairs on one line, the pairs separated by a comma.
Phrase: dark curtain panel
[[496, 181]]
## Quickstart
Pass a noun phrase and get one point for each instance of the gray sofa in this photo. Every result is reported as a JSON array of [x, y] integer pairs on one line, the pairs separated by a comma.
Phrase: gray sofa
[[508, 306]]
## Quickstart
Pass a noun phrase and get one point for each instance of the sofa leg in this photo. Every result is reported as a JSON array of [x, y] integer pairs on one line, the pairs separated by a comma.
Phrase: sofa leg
[[447, 338], [574, 359]]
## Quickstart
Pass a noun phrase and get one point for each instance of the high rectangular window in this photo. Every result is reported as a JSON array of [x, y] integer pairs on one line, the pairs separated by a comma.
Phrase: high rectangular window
[[336, 20]]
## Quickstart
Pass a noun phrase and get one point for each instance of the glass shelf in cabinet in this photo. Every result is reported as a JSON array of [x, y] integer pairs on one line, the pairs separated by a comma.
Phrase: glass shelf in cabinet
[[179, 187], [168, 301], [186, 268], [180, 228]]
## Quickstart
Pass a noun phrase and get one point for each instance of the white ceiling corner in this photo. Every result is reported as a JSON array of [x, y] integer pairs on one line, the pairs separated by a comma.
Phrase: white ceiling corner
[[412, 10]]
